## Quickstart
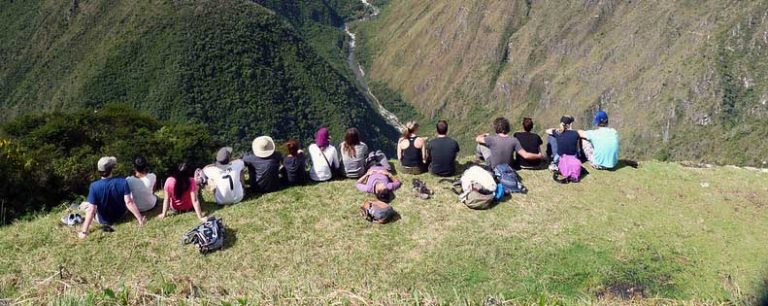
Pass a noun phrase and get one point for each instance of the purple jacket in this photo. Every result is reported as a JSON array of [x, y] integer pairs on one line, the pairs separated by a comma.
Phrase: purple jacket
[[377, 178]]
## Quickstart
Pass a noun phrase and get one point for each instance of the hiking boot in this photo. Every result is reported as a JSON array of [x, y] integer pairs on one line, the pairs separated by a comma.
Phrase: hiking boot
[[421, 190]]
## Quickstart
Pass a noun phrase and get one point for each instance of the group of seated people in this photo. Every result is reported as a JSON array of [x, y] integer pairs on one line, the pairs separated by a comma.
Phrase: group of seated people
[[566, 147], [110, 198]]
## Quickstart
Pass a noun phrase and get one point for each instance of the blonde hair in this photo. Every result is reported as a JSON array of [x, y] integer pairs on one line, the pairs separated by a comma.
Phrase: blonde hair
[[410, 127]]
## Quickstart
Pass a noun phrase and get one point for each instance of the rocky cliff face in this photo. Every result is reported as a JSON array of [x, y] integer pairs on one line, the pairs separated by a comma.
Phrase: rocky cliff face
[[680, 79]]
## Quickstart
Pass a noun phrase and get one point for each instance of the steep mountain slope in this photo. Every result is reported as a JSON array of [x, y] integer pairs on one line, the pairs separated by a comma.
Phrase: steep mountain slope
[[236, 67], [681, 79]]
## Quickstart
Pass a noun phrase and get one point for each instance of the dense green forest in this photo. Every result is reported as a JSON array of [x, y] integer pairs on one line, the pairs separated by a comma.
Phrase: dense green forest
[[50, 157], [235, 67]]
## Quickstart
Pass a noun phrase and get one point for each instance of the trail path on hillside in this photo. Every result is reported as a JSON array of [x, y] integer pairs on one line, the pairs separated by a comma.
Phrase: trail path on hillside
[[357, 69]]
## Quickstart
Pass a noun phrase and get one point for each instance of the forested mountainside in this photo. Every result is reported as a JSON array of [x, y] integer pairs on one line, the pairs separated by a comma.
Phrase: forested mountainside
[[680, 79], [238, 68]]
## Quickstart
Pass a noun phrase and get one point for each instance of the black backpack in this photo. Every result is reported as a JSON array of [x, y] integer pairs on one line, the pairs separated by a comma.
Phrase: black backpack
[[208, 236]]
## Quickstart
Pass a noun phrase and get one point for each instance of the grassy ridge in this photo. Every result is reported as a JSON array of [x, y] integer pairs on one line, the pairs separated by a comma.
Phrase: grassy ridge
[[233, 66], [667, 73], [664, 232]]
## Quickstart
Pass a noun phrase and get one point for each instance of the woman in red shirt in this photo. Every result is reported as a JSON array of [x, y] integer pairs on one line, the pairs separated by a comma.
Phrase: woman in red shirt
[[181, 192]]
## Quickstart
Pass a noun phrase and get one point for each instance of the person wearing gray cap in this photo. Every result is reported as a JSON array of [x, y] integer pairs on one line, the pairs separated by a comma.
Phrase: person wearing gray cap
[[225, 177], [108, 199]]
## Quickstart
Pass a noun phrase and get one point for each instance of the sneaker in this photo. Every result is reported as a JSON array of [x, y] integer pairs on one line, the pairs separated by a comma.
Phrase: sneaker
[[72, 219], [552, 167]]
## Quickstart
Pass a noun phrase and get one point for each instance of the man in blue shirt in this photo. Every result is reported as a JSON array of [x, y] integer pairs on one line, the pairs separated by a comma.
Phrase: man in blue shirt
[[108, 199], [601, 145]]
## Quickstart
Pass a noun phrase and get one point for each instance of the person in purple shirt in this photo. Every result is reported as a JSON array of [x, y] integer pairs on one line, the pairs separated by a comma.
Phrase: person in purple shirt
[[379, 182]]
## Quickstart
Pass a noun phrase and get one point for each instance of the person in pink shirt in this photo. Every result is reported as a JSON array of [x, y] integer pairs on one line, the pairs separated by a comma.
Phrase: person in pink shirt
[[181, 193], [379, 182]]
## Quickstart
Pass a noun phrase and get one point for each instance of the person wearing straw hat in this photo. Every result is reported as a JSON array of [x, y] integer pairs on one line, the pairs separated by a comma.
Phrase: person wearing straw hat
[[263, 165]]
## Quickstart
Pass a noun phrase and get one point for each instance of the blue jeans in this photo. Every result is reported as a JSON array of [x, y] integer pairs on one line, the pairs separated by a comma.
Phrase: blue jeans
[[552, 151]]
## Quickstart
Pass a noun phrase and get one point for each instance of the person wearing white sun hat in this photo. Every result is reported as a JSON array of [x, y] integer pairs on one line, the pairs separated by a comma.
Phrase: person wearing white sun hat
[[263, 165]]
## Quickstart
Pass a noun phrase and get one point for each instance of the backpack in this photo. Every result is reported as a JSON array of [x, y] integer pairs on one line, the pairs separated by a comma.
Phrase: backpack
[[208, 236], [477, 188], [507, 177], [377, 211]]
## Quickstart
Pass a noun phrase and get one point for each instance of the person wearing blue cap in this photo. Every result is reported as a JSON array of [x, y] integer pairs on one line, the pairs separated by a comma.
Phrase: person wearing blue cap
[[601, 146]]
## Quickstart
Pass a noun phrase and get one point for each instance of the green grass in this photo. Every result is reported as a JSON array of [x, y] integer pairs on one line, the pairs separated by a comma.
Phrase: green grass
[[655, 229]]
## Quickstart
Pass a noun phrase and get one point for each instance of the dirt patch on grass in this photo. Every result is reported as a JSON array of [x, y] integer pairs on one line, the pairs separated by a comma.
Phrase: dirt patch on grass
[[622, 291]]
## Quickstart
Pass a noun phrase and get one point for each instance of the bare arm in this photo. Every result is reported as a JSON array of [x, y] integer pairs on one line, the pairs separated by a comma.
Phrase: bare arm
[[550, 131], [196, 204], [399, 150], [481, 138], [424, 149], [90, 213], [364, 177], [166, 205], [582, 134], [526, 155], [131, 205]]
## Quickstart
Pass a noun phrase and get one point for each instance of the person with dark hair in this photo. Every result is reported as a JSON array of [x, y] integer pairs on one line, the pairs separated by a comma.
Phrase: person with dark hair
[[411, 150], [181, 192], [380, 182], [294, 164], [324, 157], [225, 177], [500, 148], [601, 146], [442, 151], [567, 148], [108, 199], [353, 154], [531, 142], [263, 165], [142, 185]]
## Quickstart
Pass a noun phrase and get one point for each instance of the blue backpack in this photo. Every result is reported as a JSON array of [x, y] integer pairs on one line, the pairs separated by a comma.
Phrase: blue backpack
[[507, 177]]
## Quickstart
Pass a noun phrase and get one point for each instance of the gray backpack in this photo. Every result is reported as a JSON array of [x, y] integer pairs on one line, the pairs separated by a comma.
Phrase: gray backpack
[[475, 188], [208, 236]]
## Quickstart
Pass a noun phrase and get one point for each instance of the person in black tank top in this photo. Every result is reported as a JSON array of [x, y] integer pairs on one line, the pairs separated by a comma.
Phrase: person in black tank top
[[411, 157]]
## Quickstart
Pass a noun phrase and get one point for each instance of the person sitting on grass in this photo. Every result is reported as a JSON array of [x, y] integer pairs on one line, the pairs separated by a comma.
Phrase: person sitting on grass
[[568, 165], [531, 142], [601, 146], [500, 148], [442, 151], [294, 164], [142, 185], [411, 150], [324, 157], [108, 199], [225, 177], [379, 182], [353, 154], [263, 165], [181, 193]]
